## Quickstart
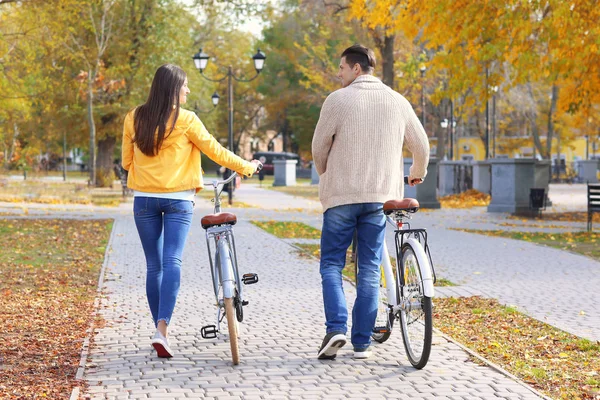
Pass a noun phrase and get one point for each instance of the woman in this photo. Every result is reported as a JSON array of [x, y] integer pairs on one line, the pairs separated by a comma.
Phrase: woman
[[161, 152]]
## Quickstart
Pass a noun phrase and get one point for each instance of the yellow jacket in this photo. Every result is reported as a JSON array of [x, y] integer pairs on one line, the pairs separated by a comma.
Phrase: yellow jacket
[[176, 167]]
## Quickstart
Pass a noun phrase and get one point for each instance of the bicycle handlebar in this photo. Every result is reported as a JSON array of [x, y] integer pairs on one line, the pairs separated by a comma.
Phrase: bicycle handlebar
[[216, 183], [231, 177]]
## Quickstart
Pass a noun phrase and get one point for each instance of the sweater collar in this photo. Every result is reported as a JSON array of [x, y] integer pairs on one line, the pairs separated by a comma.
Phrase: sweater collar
[[366, 78]]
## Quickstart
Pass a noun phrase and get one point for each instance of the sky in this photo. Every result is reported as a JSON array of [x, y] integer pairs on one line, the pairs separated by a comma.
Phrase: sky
[[251, 25]]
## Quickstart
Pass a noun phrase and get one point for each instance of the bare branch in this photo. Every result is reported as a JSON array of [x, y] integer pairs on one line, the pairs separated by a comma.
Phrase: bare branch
[[338, 8], [80, 53], [93, 21]]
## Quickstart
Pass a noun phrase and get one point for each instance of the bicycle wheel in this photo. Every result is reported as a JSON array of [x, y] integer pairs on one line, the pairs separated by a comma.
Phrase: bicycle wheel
[[415, 314], [385, 318], [232, 327]]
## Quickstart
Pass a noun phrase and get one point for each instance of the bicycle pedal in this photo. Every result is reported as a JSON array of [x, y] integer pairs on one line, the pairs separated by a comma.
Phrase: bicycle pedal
[[379, 329], [245, 302], [209, 332], [249, 279]]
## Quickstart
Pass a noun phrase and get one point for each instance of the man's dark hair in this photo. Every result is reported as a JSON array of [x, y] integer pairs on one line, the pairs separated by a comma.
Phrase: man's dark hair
[[361, 55]]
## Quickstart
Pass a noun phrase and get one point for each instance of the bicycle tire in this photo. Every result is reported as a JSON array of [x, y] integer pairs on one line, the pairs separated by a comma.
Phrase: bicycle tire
[[239, 307], [416, 324], [233, 331]]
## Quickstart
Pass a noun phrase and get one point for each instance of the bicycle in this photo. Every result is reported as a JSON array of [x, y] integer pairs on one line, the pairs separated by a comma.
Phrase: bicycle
[[410, 300], [227, 284]]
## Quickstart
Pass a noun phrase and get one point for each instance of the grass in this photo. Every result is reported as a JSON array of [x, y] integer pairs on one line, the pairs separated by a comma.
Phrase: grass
[[289, 230], [585, 243], [557, 363], [45, 192], [42, 174], [570, 216], [48, 281]]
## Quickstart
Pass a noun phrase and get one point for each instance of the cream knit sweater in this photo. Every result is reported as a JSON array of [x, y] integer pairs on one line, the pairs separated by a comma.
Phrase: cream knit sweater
[[357, 145]]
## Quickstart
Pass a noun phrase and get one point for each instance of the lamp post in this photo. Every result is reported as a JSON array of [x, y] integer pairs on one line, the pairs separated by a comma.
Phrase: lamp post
[[201, 61], [494, 91], [587, 147], [487, 115], [423, 68], [445, 124]]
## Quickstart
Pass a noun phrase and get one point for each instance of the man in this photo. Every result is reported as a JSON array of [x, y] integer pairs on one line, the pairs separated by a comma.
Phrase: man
[[357, 150]]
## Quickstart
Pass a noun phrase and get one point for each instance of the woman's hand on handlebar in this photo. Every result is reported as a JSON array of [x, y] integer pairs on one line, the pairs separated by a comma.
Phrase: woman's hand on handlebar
[[258, 164]]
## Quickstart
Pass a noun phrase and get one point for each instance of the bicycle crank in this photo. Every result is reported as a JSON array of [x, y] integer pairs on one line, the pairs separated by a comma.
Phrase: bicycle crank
[[249, 279], [209, 332]]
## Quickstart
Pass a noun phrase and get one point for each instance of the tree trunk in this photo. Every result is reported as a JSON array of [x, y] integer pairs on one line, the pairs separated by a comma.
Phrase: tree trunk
[[64, 155], [104, 161], [92, 129], [535, 132], [141, 30], [387, 60], [551, 112], [441, 143], [13, 145]]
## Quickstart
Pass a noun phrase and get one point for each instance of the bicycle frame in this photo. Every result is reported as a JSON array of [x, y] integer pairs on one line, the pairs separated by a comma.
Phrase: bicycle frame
[[227, 276]]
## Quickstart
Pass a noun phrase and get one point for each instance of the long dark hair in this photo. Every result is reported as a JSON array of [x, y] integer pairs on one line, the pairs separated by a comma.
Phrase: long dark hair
[[155, 113]]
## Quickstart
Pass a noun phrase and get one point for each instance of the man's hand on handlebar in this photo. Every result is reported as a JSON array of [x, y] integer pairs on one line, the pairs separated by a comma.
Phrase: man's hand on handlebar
[[412, 181]]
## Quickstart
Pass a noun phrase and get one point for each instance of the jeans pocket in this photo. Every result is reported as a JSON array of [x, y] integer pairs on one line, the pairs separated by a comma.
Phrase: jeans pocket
[[181, 206], [140, 205]]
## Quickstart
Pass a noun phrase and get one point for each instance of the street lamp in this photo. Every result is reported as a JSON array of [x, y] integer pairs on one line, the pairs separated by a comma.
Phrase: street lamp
[[215, 101], [423, 69], [201, 61]]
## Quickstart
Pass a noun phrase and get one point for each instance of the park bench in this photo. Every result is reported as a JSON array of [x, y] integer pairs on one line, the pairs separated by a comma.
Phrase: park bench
[[121, 173], [593, 201]]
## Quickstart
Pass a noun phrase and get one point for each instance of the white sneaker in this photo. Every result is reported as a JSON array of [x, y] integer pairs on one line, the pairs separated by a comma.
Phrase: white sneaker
[[362, 353], [161, 345]]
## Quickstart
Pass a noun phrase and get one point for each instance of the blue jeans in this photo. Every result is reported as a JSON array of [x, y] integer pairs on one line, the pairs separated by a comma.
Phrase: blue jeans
[[163, 226], [339, 224]]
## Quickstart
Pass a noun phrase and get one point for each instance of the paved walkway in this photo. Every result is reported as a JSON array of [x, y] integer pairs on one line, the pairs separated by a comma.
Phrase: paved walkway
[[282, 330]]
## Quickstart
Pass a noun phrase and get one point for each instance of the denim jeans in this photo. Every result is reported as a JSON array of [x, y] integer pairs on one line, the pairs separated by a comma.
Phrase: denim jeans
[[163, 226], [339, 224]]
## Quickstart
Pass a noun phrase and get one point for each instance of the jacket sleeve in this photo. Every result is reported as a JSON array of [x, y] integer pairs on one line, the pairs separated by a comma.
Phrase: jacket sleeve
[[127, 146], [417, 143], [324, 133], [207, 144]]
